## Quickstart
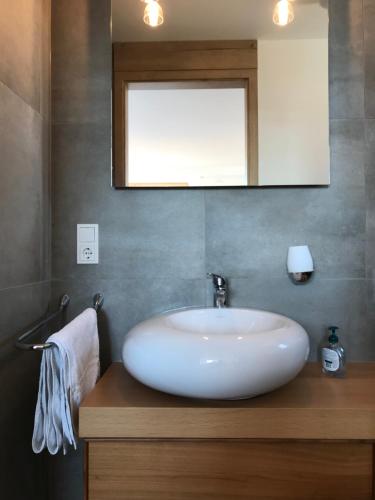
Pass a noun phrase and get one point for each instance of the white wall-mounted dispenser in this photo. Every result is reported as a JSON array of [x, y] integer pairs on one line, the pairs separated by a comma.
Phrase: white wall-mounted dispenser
[[300, 264]]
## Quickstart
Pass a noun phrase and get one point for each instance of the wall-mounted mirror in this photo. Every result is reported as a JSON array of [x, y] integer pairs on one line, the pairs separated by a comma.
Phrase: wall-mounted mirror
[[220, 94]]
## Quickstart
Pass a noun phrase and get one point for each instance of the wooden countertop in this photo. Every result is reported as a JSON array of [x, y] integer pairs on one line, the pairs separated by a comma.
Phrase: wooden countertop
[[313, 406]]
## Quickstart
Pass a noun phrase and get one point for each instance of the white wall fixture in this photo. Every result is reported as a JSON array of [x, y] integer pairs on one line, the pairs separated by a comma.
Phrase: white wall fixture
[[300, 264], [87, 244]]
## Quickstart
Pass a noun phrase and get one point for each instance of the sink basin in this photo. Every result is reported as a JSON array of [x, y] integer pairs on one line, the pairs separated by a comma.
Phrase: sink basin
[[216, 353]]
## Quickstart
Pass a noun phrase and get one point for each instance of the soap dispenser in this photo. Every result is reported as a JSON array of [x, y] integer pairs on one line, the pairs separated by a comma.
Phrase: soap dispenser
[[333, 355]]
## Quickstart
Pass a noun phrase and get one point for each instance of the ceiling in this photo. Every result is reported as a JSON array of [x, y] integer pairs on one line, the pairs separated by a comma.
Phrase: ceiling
[[218, 20]]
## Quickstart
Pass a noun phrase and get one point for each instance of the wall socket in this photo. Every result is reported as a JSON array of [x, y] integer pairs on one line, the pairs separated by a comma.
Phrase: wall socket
[[87, 244]]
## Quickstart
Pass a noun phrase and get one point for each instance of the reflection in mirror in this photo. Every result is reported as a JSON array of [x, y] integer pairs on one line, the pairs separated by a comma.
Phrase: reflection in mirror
[[168, 147], [251, 111]]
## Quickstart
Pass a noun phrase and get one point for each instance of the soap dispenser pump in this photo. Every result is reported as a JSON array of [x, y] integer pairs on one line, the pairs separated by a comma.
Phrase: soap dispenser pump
[[333, 355]]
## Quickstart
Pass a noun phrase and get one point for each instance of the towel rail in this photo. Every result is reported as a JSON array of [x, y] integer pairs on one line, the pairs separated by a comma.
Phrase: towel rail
[[64, 302]]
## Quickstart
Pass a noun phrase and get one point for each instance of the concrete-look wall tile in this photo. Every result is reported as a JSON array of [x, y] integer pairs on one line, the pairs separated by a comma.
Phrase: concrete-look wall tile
[[369, 38], [24, 233], [370, 202], [316, 306], [78, 104], [370, 147], [66, 477], [346, 59], [21, 191], [347, 141], [81, 39], [81, 61], [20, 306], [82, 166], [154, 234], [250, 231], [45, 64], [18, 393], [21, 48], [160, 235], [46, 204]]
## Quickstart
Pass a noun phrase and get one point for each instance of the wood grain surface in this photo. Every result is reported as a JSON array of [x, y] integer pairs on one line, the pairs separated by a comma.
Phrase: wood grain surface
[[312, 406], [228, 470]]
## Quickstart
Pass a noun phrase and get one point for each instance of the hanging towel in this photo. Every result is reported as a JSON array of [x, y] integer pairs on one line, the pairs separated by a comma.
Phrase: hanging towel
[[68, 371]]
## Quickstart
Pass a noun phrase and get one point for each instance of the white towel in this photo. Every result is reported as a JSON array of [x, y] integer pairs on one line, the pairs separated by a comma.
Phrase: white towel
[[68, 371]]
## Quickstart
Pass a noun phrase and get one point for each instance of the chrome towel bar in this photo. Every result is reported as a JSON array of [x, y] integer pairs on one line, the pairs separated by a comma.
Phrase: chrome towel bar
[[64, 302]]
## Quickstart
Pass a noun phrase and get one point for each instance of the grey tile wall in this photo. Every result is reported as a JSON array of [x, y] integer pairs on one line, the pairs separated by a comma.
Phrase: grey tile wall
[[21, 35], [23, 473], [156, 246], [369, 51], [24, 232], [158, 240], [346, 59], [369, 54]]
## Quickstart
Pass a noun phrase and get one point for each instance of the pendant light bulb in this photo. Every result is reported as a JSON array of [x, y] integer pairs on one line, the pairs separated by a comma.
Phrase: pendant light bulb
[[153, 15], [283, 13]]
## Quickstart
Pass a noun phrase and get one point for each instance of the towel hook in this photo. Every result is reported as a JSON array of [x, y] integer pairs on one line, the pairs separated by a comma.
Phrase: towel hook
[[64, 302], [20, 344], [98, 301]]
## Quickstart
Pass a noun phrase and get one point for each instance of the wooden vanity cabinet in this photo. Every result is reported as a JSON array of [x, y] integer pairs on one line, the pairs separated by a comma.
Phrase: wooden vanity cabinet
[[144, 445], [228, 470]]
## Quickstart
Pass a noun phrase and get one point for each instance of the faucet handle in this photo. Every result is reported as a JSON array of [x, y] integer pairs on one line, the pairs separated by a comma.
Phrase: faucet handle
[[218, 281]]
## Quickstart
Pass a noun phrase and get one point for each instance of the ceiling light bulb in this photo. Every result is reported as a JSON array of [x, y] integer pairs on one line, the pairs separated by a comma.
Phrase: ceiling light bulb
[[153, 15], [283, 13]]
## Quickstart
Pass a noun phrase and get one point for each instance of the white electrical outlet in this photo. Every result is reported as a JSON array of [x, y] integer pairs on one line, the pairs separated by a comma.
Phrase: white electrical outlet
[[87, 244]]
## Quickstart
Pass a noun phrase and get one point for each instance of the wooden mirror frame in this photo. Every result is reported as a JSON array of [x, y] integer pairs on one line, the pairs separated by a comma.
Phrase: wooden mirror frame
[[135, 62]]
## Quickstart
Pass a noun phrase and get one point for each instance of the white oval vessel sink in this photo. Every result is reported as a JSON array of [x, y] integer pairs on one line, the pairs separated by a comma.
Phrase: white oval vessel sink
[[216, 353]]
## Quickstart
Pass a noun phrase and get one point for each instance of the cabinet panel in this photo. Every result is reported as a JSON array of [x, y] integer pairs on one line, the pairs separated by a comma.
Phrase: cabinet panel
[[228, 470]]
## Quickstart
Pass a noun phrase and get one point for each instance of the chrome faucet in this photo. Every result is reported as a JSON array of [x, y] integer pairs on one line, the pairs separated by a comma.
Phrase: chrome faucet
[[220, 290]]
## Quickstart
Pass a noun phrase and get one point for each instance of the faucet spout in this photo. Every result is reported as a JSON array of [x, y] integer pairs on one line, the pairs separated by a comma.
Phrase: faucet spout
[[220, 290]]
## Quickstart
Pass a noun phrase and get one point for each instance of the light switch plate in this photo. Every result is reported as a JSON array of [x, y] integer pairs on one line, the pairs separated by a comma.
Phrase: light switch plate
[[87, 244]]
